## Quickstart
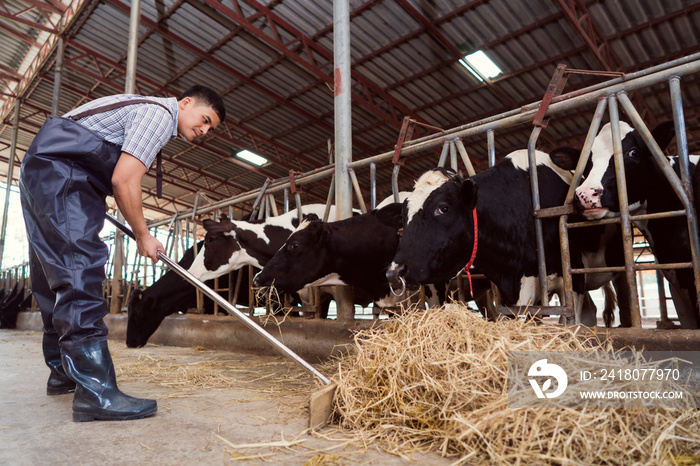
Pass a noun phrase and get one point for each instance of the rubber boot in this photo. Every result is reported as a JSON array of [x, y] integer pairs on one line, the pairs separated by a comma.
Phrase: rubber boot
[[97, 395], [58, 383]]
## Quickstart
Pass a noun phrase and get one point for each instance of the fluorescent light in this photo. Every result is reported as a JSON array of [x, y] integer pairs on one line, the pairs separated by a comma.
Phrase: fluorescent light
[[480, 65], [249, 156]]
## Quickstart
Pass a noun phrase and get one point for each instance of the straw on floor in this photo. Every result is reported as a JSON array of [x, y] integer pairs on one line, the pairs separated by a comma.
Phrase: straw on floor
[[437, 380]]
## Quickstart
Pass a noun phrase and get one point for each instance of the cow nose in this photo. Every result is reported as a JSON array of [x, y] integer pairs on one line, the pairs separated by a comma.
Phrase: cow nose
[[395, 272], [589, 197]]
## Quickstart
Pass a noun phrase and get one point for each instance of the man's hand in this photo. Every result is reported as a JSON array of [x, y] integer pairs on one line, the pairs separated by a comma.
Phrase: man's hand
[[149, 246], [126, 183]]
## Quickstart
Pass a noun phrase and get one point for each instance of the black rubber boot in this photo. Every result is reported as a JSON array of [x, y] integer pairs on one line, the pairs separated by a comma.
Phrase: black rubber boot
[[58, 383], [97, 395]]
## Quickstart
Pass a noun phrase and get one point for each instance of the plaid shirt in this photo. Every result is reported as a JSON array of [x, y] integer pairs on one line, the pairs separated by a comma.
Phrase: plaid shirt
[[140, 129]]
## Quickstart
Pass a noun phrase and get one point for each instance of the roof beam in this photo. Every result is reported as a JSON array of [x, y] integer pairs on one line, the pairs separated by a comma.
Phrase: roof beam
[[278, 28], [429, 27], [42, 55], [182, 42], [582, 22], [45, 10], [257, 139]]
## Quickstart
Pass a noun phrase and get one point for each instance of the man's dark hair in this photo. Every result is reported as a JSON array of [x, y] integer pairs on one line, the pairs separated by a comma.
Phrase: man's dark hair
[[207, 96]]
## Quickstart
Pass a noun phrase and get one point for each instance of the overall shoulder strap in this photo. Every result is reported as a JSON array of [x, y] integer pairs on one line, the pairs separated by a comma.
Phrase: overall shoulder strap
[[124, 103], [114, 105]]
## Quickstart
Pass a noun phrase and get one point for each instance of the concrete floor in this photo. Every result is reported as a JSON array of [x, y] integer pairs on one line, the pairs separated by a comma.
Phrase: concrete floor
[[262, 400]]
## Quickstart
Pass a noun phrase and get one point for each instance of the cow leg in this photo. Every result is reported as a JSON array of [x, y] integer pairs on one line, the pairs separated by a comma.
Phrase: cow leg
[[584, 310], [587, 313], [610, 303], [623, 299], [685, 307]]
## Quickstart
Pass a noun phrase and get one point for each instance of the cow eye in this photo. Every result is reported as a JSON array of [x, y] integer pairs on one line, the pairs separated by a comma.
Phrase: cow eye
[[442, 209], [632, 153], [293, 245]]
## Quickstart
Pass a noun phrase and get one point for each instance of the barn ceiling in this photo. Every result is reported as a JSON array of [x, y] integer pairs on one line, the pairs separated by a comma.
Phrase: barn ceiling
[[272, 61]]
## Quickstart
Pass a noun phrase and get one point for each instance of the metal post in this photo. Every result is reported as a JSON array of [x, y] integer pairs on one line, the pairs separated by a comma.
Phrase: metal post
[[395, 181], [10, 174], [465, 158], [491, 141], [58, 75], [129, 88], [297, 200], [625, 223], [131, 58], [343, 110], [358, 191], [663, 305], [534, 183], [329, 201], [682, 141], [453, 155], [343, 132], [443, 154]]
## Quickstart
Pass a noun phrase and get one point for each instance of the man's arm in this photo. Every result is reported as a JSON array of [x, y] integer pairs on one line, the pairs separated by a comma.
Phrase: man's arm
[[126, 184]]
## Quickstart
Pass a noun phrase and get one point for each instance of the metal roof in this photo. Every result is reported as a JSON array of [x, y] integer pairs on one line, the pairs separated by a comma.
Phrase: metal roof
[[272, 60]]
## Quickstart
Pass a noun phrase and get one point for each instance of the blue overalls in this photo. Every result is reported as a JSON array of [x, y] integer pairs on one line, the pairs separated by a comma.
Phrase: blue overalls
[[64, 180]]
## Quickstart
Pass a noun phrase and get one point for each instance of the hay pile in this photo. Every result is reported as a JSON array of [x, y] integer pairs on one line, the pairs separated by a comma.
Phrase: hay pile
[[437, 380]]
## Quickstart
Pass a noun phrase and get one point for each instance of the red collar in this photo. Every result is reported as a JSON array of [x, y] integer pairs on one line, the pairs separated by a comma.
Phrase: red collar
[[471, 259]]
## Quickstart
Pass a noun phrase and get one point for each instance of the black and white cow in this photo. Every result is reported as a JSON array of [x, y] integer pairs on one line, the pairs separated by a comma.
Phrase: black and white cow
[[354, 251], [438, 235], [168, 295], [648, 191], [232, 244]]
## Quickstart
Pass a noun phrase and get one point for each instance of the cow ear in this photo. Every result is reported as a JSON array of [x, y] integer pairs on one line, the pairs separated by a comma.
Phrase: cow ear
[[468, 193], [565, 158], [663, 134], [209, 224], [390, 215], [309, 217]]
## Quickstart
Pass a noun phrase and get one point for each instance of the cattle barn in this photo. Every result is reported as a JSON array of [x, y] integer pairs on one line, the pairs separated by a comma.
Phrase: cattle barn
[[333, 108]]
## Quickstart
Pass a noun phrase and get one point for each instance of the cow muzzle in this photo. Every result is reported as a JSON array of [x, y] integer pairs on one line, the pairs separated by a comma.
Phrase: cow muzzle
[[589, 197], [394, 275], [258, 280], [589, 201]]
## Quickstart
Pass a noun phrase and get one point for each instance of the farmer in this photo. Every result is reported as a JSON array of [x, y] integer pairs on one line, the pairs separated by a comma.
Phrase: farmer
[[102, 148]]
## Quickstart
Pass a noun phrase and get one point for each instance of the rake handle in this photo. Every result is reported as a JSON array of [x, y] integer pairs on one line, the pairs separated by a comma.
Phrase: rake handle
[[229, 308]]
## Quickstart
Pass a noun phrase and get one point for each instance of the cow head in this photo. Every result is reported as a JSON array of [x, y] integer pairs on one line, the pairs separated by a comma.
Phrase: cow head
[[299, 262], [139, 327], [437, 229], [597, 197], [221, 249]]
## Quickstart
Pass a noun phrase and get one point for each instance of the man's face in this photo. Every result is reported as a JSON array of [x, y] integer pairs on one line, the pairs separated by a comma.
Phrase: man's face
[[195, 120]]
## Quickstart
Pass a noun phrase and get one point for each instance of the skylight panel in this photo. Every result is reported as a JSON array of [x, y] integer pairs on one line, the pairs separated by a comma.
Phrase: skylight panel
[[251, 157], [480, 65]]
